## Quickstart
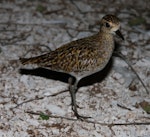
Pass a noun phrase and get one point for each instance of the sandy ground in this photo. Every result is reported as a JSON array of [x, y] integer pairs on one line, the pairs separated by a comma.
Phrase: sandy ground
[[118, 103]]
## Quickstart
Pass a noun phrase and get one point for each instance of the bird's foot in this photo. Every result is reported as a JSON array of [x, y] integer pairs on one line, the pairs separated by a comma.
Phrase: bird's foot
[[80, 117]]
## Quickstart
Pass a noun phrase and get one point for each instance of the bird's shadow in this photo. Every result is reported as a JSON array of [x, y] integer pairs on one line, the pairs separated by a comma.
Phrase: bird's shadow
[[49, 74]]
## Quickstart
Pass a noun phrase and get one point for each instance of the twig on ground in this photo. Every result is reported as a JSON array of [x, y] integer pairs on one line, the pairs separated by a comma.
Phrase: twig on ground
[[118, 54], [39, 98], [93, 122]]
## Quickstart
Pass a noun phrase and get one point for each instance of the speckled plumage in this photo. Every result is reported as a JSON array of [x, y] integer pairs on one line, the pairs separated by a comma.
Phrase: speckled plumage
[[82, 57], [79, 58]]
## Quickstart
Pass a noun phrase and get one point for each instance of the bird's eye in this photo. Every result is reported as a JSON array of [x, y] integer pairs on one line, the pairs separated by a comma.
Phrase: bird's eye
[[107, 25]]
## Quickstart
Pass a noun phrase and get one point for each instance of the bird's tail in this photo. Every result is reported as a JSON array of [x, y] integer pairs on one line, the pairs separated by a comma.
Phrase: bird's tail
[[37, 60], [33, 60]]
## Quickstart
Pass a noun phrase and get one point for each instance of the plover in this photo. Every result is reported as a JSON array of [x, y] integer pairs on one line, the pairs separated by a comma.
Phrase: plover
[[82, 57]]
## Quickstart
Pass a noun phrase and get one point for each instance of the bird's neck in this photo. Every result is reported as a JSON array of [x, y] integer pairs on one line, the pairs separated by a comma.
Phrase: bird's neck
[[108, 37], [105, 38]]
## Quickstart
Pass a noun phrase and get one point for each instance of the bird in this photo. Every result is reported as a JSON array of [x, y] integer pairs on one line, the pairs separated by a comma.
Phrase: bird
[[82, 57]]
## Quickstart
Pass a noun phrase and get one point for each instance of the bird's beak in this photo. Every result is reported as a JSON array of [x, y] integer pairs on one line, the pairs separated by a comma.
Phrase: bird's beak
[[119, 34]]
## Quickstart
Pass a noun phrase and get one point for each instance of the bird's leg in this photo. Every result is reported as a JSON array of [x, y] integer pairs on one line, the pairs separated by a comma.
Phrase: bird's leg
[[72, 89]]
